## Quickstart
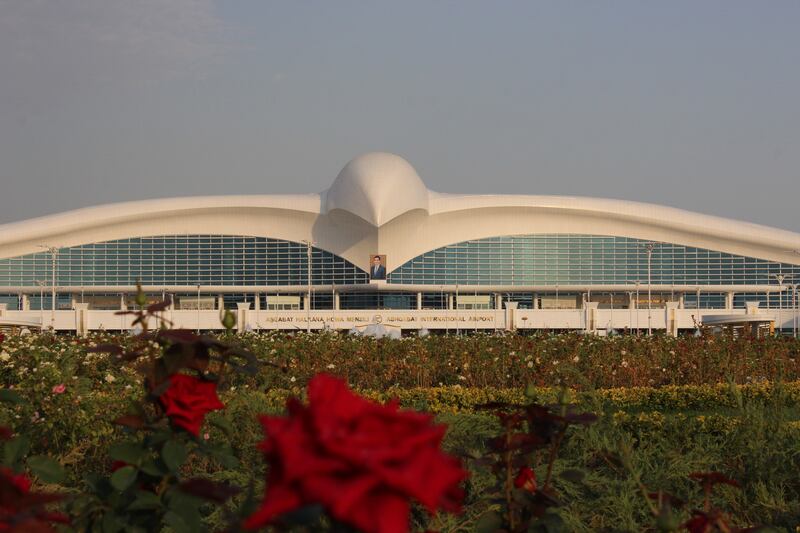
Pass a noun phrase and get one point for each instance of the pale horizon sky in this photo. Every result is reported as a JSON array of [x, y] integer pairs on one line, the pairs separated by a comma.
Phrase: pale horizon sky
[[688, 104]]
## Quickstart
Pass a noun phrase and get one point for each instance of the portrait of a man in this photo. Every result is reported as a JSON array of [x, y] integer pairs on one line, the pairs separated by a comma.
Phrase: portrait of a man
[[377, 267]]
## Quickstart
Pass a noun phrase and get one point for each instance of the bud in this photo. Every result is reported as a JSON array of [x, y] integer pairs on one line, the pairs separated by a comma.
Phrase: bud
[[530, 391], [526, 479], [141, 299], [228, 320]]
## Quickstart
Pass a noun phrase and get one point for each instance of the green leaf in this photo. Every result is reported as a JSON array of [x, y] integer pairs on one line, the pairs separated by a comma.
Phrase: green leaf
[[551, 522], [15, 449], [124, 477], [228, 460], [176, 522], [185, 507], [174, 454], [112, 523], [46, 469], [222, 423], [10, 396], [128, 452], [304, 516], [152, 468], [573, 475], [145, 500], [489, 523]]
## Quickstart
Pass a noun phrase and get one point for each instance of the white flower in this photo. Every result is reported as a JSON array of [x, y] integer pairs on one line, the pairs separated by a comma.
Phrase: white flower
[[331, 366], [576, 358], [624, 363], [110, 378], [293, 379], [462, 378], [530, 364], [4, 356]]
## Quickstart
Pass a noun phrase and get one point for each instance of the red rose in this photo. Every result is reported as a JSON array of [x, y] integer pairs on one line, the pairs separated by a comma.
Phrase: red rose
[[526, 479], [362, 461], [22, 510], [188, 399]]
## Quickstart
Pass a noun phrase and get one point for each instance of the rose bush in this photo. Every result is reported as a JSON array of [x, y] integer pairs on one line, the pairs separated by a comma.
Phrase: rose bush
[[146, 472]]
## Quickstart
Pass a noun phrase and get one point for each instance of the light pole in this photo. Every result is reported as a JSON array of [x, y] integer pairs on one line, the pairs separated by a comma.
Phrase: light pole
[[649, 247], [53, 253], [794, 301], [458, 326], [41, 285], [308, 293], [630, 312], [637, 307], [780, 278], [198, 309], [611, 295], [793, 286]]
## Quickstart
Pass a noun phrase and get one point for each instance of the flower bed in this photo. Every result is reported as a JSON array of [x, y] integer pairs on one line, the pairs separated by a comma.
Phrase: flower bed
[[72, 391]]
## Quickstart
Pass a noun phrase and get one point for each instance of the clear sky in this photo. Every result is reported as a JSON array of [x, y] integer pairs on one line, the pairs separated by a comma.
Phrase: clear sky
[[692, 104]]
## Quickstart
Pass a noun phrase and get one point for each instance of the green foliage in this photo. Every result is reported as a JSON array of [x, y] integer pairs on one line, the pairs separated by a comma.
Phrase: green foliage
[[668, 402]]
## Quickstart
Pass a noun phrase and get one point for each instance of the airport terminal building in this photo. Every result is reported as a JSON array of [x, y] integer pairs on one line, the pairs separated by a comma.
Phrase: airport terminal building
[[379, 247]]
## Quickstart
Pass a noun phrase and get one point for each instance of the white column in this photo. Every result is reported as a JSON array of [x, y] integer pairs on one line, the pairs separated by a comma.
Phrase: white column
[[336, 301], [450, 300], [81, 319], [672, 318], [590, 310], [3, 309], [729, 300], [498, 301], [220, 302], [511, 308], [26, 305], [257, 302], [419, 301], [241, 316], [123, 305]]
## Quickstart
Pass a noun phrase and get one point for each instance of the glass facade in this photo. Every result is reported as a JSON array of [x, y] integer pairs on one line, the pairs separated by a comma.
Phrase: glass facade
[[549, 260], [565, 259], [583, 260], [181, 260]]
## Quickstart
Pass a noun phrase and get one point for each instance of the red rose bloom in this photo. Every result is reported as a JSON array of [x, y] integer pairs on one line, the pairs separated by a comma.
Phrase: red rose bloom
[[22, 510], [188, 399], [362, 461], [526, 479]]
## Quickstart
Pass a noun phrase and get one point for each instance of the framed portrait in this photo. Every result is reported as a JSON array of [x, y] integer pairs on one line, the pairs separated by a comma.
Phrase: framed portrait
[[377, 267]]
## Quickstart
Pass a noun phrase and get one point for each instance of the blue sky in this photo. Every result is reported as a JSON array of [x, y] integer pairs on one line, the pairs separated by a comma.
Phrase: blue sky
[[689, 104]]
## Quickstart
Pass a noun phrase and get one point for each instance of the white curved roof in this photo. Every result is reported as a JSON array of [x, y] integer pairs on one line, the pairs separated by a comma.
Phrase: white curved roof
[[377, 187], [379, 204]]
